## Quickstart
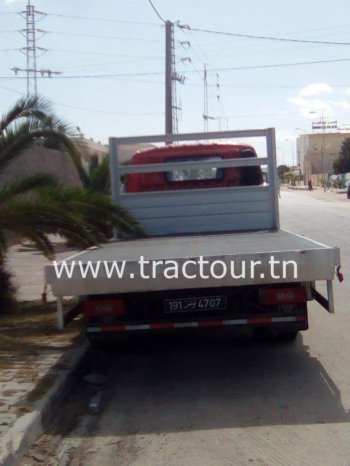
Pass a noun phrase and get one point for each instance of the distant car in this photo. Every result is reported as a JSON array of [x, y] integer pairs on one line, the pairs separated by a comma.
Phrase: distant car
[[348, 191]]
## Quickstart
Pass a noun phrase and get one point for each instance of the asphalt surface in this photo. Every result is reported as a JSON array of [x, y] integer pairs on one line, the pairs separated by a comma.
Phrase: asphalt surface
[[222, 400]]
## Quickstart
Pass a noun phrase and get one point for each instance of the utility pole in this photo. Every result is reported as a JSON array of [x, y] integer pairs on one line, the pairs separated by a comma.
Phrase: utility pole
[[30, 14], [171, 78], [205, 97], [169, 31], [323, 124], [206, 116], [322, 154]]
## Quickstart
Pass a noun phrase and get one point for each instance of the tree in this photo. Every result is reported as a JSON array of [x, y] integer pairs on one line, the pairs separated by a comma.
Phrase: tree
[[38, 205], [282, 170], [98, 177], [342, 164]]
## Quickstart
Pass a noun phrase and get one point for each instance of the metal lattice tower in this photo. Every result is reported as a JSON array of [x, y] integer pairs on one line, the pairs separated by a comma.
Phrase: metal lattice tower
[[31, 48], [31, 16]]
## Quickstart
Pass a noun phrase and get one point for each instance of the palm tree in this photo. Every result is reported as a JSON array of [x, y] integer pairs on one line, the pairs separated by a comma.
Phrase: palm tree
[[98, 177], [38, 205], [29, 120]]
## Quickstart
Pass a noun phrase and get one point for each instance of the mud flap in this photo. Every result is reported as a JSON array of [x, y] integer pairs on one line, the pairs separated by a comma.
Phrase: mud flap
[[327, 303]]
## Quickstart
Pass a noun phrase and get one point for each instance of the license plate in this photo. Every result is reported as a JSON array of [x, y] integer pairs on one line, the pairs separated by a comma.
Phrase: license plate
[[203, 303]]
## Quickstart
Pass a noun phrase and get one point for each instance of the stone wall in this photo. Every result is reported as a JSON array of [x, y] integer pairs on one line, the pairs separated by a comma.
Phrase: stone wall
[[40, 159]]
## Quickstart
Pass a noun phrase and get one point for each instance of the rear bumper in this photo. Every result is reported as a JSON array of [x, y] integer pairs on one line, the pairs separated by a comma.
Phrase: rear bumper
[[299, 322]]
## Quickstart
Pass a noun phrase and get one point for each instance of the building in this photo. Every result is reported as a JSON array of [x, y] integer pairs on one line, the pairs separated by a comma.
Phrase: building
[[316, 153], [95, 151]]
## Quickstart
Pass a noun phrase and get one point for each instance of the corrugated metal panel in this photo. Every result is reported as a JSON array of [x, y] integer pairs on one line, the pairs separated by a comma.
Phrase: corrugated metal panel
[[208, 211]]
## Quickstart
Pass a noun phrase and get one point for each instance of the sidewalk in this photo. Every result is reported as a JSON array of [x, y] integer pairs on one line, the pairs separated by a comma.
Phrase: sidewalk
[[36, 360], [319, 193]]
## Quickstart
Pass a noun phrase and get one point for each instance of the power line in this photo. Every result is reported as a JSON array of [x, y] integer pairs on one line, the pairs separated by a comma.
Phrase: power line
[[87, 76], [205, 61], [251, 36], [97, 36], [232, 86], [107, 112], [281, 65], [277, 86], [156, 11], [11, 90], [89, 65], [106, 54], [109, 20], [84, 52], [159, 73]]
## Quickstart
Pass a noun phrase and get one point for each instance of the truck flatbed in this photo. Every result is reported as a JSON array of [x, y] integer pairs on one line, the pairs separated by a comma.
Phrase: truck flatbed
[[213, 255], [315, 261]]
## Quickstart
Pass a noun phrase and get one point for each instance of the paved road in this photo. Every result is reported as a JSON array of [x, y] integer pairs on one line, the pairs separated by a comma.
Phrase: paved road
[[224, 402]]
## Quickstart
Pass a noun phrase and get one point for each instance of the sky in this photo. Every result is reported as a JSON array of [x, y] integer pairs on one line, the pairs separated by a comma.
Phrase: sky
[[125, 43]]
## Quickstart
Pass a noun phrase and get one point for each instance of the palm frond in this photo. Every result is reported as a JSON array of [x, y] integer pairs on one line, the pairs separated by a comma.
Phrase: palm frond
[[97, 209], [99, 177], [42, 242], [32, 106], [35, 183], [69, 146], [37, 207], [22, 136], [14, 142], [37, 219]]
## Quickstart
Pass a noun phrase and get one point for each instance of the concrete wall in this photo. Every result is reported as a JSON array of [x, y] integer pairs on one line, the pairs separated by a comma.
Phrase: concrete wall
[[39, 159]]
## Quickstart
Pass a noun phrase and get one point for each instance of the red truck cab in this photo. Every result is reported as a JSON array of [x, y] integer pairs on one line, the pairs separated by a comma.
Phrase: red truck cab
[[193, 178]]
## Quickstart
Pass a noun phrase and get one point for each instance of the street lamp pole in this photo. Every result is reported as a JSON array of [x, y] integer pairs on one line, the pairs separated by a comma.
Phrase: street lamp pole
[[323, 178], [298, 154], [280, 155], [322, 154], [291, 140]]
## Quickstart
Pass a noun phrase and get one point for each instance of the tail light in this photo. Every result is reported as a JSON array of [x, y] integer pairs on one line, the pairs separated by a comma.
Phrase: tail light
[[277, 296], [104, 308]]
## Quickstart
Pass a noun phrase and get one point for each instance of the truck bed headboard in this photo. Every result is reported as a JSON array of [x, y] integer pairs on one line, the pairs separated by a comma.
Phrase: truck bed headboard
[[181, 211]]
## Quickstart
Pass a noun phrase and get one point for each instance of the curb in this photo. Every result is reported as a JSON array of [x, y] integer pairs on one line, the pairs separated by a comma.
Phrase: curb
[[302, 188], [27, 428]]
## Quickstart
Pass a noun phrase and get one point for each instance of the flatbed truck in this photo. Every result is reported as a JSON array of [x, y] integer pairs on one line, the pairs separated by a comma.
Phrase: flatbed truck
[[213, 254]]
